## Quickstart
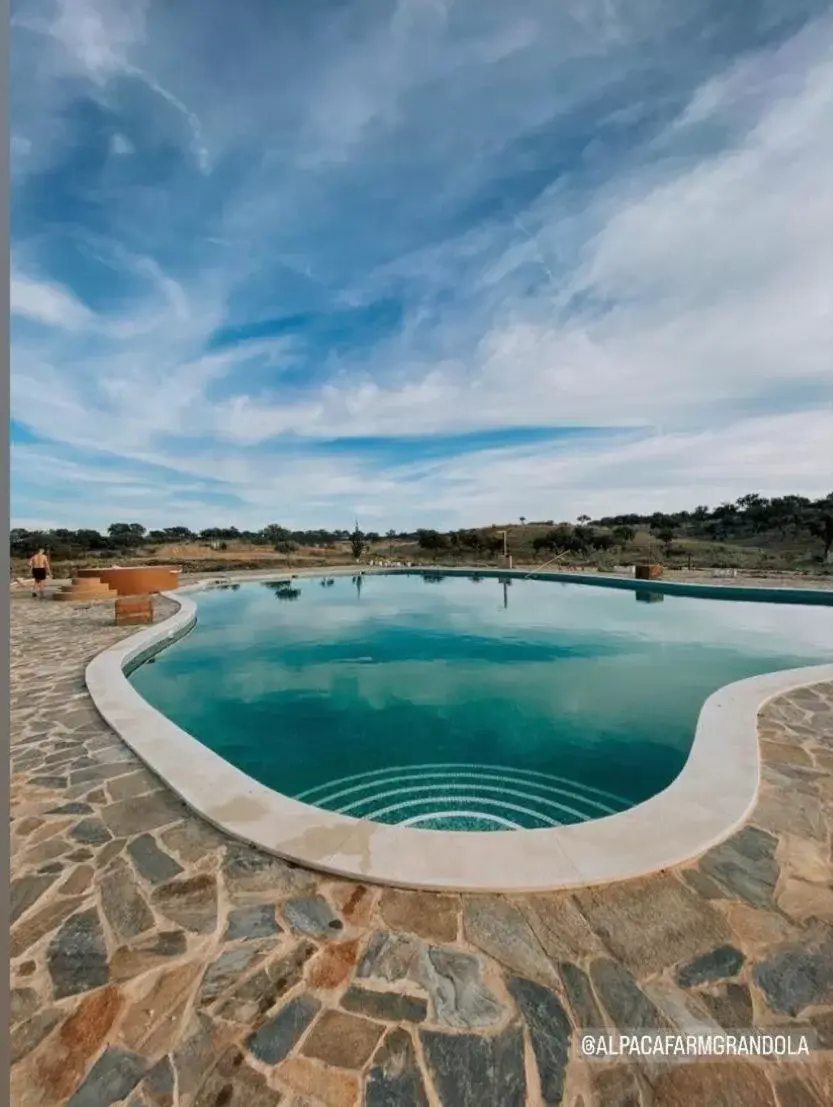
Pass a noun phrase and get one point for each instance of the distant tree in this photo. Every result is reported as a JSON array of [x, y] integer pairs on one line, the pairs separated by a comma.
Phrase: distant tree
[[390, 535], [523, 519], [602, 541], [126, 535], [272, 535], [432, 541], [820, 524], [583, 519], [623, 535], [357, 542], [666, 535]]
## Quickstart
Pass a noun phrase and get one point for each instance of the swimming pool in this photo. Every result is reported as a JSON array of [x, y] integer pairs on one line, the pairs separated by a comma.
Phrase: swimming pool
[[446, 702]]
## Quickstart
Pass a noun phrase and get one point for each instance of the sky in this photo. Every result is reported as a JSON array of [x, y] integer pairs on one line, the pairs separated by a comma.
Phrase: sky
[[418, 262]]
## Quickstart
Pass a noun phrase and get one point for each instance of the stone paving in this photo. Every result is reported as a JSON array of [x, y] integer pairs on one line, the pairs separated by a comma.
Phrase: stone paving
[[156, 962]]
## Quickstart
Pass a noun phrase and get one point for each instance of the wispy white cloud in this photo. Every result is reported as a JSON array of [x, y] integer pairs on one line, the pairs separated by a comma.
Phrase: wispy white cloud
[[48, 303], [673, 279]]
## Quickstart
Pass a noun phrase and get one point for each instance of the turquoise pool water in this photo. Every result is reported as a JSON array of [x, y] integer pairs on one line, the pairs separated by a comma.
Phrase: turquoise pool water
[[457, 703]]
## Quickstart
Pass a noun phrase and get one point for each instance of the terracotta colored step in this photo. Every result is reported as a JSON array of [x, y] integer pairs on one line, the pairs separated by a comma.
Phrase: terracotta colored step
[[87, 589]]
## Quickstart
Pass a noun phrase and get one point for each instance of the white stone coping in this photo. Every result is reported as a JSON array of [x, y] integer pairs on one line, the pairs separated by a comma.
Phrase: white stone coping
[[710, 798]]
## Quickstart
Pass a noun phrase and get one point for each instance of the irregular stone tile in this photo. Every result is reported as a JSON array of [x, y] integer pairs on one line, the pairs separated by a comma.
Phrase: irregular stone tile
[[78, 881], [472, 1071], [26, 891], [249, 873], [193, 839], [61, 1067], [249, 923], [24, 1002], [51, 867], [392, 957], [276, 1039], [96, 797], [134, 816], [730, 1006], [683, 1010], [616, 1085], [430, 915], [354, 901], [713, 1083], [790, 1091], [80, 855], [549, 1031], [122, 903], [746, 865], [46, 851], [150, 1023], [560, 927], [336, 1089], [191, 902], [222, 973], [195, 1056], [803, 901], [342, 1040], [388, 1006], [56, 783], [75, 808], [261, 991], [151, 862], [459, 996], [755, 928], [49, 830], [333, 964], [28, 1035], [114, 1075], [148, 952], [77, 957], [652, 922], [233, 1083], [157, 1088], [40, 923], [132, 785], [498, 928], [312, 915], [779, 753], [717, 964], [580, 994], [628, 1007], [90, 832], [797, 977], [703, 885], [26, 968], [27, 825], [395, 1079], [790, 810], [106, 854], [804, 859]]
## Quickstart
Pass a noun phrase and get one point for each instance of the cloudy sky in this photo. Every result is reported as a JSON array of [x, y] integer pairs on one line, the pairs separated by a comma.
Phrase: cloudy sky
[[426, 262]]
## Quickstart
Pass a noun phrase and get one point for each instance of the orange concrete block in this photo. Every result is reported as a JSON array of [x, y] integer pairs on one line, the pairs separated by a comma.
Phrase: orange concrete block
[[134, 610], [136, 580]]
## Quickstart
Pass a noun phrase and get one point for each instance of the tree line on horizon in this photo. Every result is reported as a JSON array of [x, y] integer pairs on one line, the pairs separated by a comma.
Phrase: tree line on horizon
[[750, 516]]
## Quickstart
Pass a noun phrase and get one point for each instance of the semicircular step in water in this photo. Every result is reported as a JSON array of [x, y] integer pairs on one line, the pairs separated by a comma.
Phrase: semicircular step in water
[[464, 797]]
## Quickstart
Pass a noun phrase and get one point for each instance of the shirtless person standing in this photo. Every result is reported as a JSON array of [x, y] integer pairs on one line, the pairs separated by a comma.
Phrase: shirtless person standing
[[39, 564]]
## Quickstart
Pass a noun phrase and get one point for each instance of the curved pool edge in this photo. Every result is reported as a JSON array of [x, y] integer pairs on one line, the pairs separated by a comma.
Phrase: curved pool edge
[[711, 797]]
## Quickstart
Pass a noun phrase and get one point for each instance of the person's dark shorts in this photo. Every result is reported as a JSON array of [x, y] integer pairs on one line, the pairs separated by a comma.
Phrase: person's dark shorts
[[38, 575]]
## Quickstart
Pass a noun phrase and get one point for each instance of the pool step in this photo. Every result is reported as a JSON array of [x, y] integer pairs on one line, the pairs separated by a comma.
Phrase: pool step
[[465, 797], [85, 588]]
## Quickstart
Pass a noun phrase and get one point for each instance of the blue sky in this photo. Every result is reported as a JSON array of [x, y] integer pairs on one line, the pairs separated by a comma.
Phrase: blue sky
[[424, 263]]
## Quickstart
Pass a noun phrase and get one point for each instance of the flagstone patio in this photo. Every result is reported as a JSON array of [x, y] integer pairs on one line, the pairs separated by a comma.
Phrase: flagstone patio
[[157, 962]]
